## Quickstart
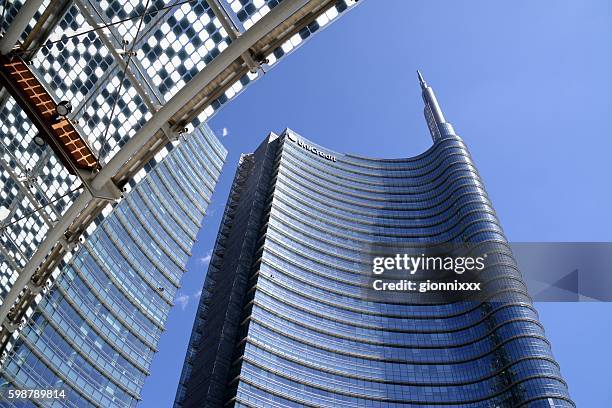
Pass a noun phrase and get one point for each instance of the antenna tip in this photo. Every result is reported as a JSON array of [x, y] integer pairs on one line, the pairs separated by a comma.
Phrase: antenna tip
[[421, 80]]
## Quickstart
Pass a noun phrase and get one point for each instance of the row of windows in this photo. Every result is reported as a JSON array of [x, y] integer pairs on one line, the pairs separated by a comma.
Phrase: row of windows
[[396, 384], [459, 362], [303, 390]]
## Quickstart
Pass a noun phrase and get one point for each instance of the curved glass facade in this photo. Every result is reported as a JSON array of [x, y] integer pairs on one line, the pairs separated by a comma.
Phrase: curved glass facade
[[95, 332], [283, 322]]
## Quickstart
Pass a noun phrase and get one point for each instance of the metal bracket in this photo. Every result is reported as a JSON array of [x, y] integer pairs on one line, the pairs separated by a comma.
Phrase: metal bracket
[[232, 31], [10, 326], [34, 288], [108, 192]]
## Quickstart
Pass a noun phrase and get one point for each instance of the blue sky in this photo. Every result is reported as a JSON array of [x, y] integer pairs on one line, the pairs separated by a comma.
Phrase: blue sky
[[527, 84]]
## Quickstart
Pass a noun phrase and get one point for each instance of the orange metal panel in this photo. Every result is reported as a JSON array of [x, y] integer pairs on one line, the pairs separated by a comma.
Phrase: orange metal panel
[[34, 99]]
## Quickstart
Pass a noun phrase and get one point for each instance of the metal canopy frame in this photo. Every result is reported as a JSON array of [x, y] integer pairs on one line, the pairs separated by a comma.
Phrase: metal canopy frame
[[244, 54]]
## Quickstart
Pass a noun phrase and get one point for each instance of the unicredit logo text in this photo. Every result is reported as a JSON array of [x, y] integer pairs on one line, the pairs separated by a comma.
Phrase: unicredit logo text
[[310, 148]]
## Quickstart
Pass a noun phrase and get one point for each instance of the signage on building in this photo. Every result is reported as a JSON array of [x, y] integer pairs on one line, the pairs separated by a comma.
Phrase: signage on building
[[310, 148]]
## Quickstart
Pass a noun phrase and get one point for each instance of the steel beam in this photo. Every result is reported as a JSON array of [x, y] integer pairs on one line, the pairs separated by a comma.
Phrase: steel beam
[[43, 28], [9, 258], [232, 30], [19, 24], [224, 18], [5, 166]]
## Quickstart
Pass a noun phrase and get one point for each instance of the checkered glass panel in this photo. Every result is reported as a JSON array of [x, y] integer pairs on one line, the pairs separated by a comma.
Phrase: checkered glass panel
[[189, 39], [37, 166], [71, 68], [131, 11], [130, 115], [248, 12]]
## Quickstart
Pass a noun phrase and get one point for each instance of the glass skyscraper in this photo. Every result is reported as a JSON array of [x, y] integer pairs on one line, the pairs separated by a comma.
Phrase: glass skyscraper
[[95, 332], [282, 320]]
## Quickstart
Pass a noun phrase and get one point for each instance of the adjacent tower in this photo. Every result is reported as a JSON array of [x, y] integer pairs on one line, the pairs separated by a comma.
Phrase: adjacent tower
[[282, 319], [93, 335]]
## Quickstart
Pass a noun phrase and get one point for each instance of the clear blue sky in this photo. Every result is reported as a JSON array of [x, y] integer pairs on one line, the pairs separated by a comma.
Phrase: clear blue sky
[[528, 86]]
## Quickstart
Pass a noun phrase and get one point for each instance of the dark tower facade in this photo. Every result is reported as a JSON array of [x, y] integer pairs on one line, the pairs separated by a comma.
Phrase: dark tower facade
[[282, 320]]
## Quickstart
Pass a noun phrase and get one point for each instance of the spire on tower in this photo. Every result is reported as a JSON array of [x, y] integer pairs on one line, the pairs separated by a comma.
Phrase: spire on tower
[[438, 126]]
